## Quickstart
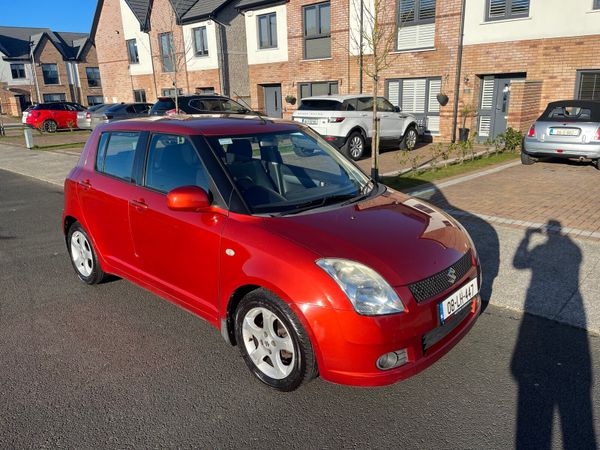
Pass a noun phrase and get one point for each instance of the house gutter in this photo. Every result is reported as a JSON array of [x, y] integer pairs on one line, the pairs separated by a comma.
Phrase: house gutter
[[458, 70]]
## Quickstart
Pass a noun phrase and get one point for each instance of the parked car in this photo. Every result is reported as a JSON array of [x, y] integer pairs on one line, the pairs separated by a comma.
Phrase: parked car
[[263, 229], [198, 104], [25, 114], [84, 118], [119, 111], [566, 129], [52, 116], [346, 121]]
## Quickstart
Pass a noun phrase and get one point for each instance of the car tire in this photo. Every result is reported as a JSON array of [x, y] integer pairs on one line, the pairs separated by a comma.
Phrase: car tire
[[49, 126], [280, 354], [355, 145], [83, 255], [410, 138], [526, 160]]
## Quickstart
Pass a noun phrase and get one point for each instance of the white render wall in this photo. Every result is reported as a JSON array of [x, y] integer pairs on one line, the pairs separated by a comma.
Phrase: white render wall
[[210, 61], [266, 55], [6, 74], [547, 19], [354, 35], [131, 29]]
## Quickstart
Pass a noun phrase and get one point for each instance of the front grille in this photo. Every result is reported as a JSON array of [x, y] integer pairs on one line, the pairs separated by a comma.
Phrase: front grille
[[438, 283], [439, 333]]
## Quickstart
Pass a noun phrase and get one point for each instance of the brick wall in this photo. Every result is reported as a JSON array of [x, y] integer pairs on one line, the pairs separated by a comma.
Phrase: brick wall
[[89, 58]]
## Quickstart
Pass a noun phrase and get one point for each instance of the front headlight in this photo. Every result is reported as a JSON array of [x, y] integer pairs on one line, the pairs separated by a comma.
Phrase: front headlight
[[368, 292]]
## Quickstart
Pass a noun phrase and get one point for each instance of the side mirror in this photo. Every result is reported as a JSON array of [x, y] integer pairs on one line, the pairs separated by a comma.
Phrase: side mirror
[[188, 198], [397, 109]]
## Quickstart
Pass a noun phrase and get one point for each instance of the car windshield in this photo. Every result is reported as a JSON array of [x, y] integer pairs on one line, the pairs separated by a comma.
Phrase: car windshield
[[289, 172]]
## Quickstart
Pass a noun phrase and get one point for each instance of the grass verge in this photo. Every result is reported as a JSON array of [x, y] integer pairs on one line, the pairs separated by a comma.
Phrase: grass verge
[[59, 146], [412, 179]]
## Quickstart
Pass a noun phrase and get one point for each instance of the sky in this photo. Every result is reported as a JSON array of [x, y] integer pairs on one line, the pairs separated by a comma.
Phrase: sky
[[58, 15]]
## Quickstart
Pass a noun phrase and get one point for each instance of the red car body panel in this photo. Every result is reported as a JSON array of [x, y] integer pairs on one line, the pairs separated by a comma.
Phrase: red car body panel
[[63, 119], [199, 260]]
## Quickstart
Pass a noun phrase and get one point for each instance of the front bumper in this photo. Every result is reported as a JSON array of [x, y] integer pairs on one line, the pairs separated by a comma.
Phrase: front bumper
[[533, 147], [348, 344]]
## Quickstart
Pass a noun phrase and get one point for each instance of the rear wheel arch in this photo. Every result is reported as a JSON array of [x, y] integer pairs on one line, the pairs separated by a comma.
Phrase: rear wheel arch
[[68, 223], [360, 130]]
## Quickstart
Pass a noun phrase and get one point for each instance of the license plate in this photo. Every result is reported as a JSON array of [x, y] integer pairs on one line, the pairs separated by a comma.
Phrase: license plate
[[564, 131], [310, 121], [458, 300]]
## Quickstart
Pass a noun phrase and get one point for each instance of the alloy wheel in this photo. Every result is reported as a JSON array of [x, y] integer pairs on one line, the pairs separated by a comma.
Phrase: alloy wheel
[[81, 254], [268, 343], [411, 139], [356, 147]]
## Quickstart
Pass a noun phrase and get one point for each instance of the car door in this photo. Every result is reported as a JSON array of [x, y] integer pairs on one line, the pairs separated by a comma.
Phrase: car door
[[364, 107], [177, 250], [70, 116], [391, 124], [104, 192]]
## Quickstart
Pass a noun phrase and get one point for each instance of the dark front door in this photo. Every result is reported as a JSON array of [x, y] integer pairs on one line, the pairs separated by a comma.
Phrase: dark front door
[[494, 103], [273, 101], [500, 110]]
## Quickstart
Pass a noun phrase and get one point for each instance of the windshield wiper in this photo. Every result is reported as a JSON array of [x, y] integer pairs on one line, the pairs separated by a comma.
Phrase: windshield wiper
[[317, 203], [365, 192]]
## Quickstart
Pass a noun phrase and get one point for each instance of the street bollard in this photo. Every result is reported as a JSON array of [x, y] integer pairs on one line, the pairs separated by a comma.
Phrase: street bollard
[[28, 138]]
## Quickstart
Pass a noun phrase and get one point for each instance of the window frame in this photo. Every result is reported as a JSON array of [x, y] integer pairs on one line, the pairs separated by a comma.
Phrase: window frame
[[596, 5], [12, 71], [311, 83], [508, 15], [580, 74], [143, 97], [95, 96], [63, 98], [138, 156], [168, 57], [419, 116], [133, 58], [200, 52], [319, 35], [273, 42], [57, 74], [416, 20], [95, 79]]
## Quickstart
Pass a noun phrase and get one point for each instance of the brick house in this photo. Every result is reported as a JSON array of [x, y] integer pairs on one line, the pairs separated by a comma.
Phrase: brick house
[[40, 65], [516, 54]]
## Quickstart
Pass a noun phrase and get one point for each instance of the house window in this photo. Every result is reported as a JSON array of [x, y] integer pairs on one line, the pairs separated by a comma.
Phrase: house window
[[132, 51], [417, 96], [317, 31], [50, 72], [205, 90], [267, 30], [416, 24], [165, 41], [318, 88], [93, 76], [506, 9], [139, 95], [95, 100], [55, 98], [170, 92], [200, 41], [18, 71], [588, 85], [596, 4]]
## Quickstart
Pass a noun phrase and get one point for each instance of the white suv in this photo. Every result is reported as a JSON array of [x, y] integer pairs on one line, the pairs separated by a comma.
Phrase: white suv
[[346, 121]]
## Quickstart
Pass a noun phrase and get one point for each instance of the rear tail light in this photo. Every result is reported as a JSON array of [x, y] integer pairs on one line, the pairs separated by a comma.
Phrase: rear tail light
[[335, 119], [171, 112], [597, 138], [531, 131], [88, 116]]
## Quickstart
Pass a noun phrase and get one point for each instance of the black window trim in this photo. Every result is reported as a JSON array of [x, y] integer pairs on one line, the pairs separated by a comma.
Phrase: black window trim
[[18, 77], [143, 91], [270, 44], [319, 35], [57, 74], [170, 56], [580, 74], [508, 14], [596, 4], [133, 59], [417, 19], [97, 80], [310, 83], [197, 52]]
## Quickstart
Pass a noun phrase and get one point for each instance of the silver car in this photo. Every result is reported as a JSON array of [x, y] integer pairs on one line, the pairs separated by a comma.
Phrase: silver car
[[567, 129], [119, 111], [84, 118]]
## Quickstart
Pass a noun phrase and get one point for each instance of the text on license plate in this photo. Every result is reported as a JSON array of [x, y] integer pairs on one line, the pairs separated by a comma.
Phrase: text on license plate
[[458, 299], [564, 131], [310, 121]]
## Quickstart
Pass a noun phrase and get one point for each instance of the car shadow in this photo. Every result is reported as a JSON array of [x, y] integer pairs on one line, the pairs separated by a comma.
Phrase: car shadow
[[551, 363], [483, 234]]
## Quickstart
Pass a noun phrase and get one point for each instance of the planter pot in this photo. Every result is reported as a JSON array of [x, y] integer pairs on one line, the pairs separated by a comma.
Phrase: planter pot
[[463, 134], [290, 99], [442, 99]]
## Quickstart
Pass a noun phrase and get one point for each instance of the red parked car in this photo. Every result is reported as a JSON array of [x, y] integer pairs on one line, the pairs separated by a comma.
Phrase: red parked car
[[267, 232], [53, 116]]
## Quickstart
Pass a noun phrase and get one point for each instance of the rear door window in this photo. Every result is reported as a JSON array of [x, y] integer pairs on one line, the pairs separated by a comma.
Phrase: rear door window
[[116, 153], [364, 104], [173, 162]]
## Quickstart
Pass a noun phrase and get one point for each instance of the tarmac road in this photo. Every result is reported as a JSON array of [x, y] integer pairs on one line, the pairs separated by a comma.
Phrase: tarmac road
[[115, 366]]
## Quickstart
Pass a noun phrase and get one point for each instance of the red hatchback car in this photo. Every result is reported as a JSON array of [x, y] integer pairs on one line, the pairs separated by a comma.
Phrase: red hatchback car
[[268, 233], [53, 116]]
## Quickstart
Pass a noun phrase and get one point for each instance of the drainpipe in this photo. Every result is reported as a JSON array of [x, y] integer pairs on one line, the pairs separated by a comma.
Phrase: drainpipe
[[35, 80], [223, 71], [360, 77], [458, 70]]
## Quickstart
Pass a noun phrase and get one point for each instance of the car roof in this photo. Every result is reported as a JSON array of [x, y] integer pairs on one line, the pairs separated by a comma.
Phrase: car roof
[[211, 96], [336, 97], [205, 125]]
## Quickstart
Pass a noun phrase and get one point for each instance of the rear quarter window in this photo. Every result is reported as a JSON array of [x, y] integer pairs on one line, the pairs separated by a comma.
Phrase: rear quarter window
[[116, 151]]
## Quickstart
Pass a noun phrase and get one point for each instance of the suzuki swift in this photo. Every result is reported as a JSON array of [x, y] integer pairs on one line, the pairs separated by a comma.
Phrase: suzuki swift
[[263, 229]]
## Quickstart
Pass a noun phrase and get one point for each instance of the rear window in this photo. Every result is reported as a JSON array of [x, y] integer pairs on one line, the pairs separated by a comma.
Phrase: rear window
[[320, 105], [570, 113], [164, 104]]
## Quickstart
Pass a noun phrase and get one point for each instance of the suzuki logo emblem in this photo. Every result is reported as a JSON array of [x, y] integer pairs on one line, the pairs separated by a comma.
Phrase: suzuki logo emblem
[[452, 275]]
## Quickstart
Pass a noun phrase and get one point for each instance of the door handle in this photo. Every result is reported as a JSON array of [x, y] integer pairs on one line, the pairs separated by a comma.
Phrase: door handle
[[385, 115], [364, 115], [85, 184], [139, 204]]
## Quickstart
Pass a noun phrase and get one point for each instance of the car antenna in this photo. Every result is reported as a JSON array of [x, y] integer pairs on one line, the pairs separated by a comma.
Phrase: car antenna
[[256, 113]]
